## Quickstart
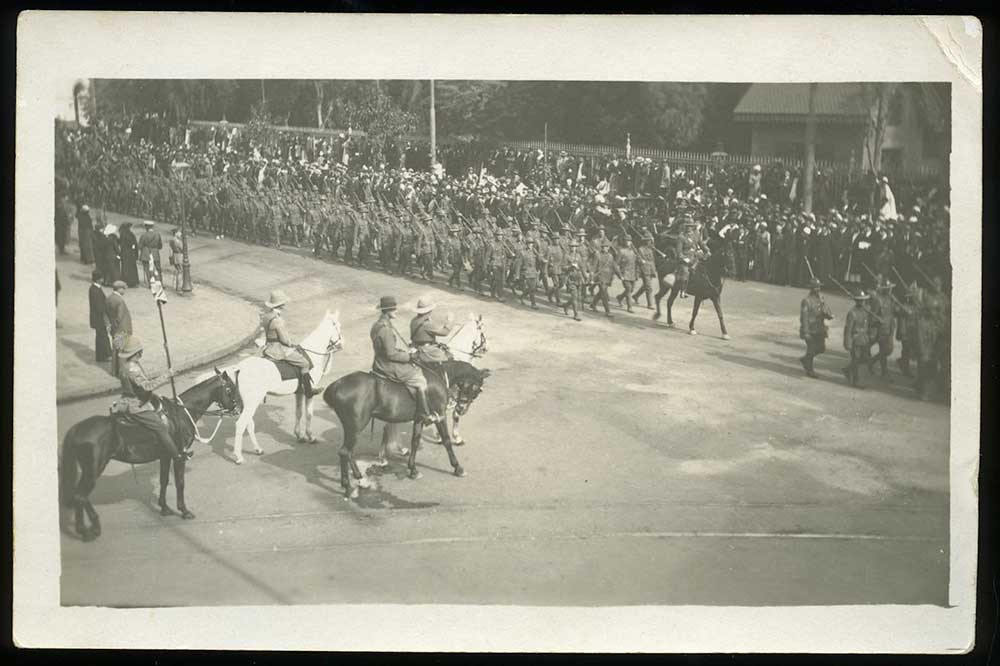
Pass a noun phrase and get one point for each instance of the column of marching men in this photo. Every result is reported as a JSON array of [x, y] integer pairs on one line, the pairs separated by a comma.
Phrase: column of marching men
[[567, 243]]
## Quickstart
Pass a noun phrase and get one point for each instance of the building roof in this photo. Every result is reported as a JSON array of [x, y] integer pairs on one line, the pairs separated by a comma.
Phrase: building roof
[[790, 101]]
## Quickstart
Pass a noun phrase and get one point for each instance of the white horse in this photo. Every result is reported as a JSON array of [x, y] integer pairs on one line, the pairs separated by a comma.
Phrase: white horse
[[257, 377], [466, 342]]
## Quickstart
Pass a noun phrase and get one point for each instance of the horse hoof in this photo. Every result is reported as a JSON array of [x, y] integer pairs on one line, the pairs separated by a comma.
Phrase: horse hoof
[[415, 474], [459, 472], [311, 440], [725, 336], [353, 494], [458, 442], [186, 515], [692, 332], [166, 511], [670, 324], [258, 452], [363, 482], [381, 462], [238, 461], [88, 536]]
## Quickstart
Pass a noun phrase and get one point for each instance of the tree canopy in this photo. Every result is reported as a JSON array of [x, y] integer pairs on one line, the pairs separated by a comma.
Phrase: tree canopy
[[668, 115]]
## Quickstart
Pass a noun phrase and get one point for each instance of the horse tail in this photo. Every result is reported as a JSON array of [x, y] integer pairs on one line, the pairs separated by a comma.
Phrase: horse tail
[[68, 468]]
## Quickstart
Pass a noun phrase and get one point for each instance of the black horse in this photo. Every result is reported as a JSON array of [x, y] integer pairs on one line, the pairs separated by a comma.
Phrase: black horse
[[668, 270], [92, 443], [359, 397], [705, 282]]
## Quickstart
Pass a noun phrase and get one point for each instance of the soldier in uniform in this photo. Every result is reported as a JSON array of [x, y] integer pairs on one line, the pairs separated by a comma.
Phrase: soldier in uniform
[[406, 241], [279, 345], [604, 271], [425, 248], [394, 360], [480, 257], [690, 248], [363, 234], [574, 277], [857, 340], [882, 307], [350, 234], [930, 325], [627, 261], [529, 259], [498, 265], [424, 332], [137, 398], [456, 257], [150, 244], [906, 330], [647, 269], [555, 265], [812, 325]]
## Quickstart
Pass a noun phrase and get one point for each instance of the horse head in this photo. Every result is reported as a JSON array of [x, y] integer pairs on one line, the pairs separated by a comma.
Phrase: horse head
[[334, 336], [469, 388], [228, 394]]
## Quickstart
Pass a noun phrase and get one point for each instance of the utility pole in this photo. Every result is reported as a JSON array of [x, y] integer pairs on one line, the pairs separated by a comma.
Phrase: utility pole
[[810, 163], [433, 129], [545, 150], [263, 97]]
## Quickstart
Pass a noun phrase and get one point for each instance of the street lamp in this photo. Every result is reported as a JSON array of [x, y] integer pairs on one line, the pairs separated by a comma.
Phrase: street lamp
[[180, 168]]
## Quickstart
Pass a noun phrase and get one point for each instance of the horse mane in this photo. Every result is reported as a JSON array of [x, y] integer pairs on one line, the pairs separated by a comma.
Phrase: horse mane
[[313, 340], [460, 371]]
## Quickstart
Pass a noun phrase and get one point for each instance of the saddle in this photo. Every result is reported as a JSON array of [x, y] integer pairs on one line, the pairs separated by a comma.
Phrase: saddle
[[286, 369], [133, 443]]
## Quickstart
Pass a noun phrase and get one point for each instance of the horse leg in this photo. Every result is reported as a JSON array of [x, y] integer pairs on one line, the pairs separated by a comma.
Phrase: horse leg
[[165, 510], [346, 453], [670, 303], [179, 466], [245, 419], [411, 464], [299, 397], [83, 488], [722, 322], [442, 428], [660, 293], [694, 315], [309, 415]]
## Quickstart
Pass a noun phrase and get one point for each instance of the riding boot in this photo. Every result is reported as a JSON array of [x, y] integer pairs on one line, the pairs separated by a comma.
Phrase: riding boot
[[423, 412], [305, 380]]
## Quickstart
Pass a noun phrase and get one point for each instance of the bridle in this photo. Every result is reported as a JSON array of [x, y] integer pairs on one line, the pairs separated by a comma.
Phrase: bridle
[[235, 410]]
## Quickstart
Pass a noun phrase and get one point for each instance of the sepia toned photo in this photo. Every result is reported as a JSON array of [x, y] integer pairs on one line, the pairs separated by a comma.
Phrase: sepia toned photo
[[518, 343]]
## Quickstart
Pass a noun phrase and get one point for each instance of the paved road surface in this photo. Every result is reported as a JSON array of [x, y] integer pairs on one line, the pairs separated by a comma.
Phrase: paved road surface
[[609, 463]]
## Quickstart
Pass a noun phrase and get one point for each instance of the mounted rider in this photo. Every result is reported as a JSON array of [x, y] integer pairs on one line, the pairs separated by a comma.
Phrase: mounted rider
[[138, 404], [691, 247], [279, 346], [394, 360], [424, 331]]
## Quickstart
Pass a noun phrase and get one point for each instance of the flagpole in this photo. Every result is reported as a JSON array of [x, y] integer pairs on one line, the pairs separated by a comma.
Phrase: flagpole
[[160, 298]]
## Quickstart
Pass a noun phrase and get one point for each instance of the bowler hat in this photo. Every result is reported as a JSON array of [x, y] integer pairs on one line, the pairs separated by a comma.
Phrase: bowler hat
[[386, 303]]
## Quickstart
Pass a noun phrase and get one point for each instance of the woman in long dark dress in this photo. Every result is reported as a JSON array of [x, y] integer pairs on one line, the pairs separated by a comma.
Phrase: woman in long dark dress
[[129, 248], [85, 234], [112, 259]]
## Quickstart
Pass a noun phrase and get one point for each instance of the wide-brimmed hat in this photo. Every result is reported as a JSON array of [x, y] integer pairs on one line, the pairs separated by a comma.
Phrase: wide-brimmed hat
[[132, 346], [425, 305], [276, 299], [646, 236], [887, 284], [815, 283], [85, 208], [386, 303], [148, 223], [861, 295]]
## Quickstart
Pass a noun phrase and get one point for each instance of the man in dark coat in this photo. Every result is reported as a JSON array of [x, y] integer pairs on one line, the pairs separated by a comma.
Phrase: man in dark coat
[[99, 319], [150, 245], [119, 320]]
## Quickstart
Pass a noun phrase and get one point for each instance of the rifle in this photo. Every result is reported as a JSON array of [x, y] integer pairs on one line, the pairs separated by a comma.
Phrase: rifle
[[851, 296], [874, 277]]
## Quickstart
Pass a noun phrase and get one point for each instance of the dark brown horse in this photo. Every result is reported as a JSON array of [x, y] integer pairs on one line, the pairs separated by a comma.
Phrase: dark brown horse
[[706, 283], [92, 443], [360, 397]]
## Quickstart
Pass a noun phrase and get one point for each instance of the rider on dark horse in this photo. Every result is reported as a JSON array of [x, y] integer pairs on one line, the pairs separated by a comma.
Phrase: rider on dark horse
[[394, 361], [279, 346], [137, 402], [424, 331], [690, 248]]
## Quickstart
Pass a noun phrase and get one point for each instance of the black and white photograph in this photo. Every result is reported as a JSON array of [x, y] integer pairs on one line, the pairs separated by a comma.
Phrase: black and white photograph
[[331, 337]]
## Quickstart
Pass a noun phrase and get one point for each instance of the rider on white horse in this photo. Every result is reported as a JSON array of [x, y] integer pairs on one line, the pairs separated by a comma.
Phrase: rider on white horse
[[424, 331], [279, 346]]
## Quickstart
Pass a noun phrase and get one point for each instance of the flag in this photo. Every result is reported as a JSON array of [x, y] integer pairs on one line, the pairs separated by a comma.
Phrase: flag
[[628, 146]]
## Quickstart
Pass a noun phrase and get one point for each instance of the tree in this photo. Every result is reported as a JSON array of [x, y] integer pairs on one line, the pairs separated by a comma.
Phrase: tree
[[380, 117], [875, 99]]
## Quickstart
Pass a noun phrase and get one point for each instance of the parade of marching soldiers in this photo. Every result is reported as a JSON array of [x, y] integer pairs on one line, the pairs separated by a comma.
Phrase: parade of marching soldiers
[[544, 229]]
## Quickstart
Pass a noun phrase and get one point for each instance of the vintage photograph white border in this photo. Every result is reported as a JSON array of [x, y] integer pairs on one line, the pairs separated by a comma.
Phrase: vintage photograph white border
[[55, 47]]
